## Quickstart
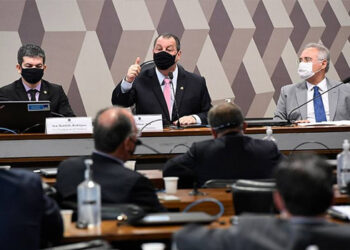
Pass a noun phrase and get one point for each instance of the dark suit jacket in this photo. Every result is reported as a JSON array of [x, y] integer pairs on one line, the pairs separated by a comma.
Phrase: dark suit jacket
[[232, 156], [118, 184], [27, 215], [192, 96], [49, 92], [266, 233]]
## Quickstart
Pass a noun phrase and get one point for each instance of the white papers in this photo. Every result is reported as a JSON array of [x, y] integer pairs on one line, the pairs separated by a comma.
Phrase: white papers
[[326, 123], [69, 125], [149, 122], [342, 209]]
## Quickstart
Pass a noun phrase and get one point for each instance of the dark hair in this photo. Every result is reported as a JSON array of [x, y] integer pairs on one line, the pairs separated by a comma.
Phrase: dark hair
[[305, 184], [108, 139], [225, 116], [168, 36], [30, 50]]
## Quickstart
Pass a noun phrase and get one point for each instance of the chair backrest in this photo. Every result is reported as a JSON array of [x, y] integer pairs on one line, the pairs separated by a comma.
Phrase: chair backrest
[[253, 196], [147, 65], [219, 183]]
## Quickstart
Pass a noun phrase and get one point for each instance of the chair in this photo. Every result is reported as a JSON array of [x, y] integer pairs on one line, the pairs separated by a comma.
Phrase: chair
[[253, 196], [147, 65], [219, 183]]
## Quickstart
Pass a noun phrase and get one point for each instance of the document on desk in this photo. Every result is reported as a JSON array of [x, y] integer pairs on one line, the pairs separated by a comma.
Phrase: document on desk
[[326, 123], [167, 197], [340, 212]]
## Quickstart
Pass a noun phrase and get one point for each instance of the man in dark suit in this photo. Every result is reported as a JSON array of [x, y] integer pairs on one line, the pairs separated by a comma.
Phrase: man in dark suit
[[31, 65], [304, 193], [28, 217], [230, 155], [115, 137], [152, 92]]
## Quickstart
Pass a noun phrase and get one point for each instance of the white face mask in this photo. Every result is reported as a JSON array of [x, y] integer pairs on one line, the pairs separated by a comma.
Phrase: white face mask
[[305, 70]]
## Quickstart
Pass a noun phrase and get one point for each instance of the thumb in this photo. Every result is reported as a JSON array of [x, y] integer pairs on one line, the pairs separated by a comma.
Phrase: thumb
[[137, 61]]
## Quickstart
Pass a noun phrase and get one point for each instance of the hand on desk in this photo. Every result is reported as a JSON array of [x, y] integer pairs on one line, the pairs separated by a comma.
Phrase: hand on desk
[[186, 120]]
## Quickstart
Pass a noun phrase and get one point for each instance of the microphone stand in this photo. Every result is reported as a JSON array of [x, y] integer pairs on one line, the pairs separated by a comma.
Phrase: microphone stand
[[178, 125], [289, 114]]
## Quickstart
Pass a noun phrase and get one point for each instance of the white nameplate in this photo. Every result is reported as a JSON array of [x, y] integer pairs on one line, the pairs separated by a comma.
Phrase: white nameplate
[[149, 122], [69, 125]]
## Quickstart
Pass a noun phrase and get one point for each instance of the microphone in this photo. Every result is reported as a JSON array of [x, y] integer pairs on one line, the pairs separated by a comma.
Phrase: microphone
[[56, 114], [290, 113], [178, 125]]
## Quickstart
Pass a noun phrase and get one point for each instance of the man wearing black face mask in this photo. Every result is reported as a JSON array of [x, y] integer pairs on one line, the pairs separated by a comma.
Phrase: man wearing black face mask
[[31, 86], [152, 92]]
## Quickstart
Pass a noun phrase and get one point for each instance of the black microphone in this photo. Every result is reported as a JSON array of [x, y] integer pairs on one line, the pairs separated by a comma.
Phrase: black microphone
[[319, 96], [178, 125], [56, 114]]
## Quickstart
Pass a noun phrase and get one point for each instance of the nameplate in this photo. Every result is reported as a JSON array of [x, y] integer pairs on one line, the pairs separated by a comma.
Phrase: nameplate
[[149, 122], [69, 125]]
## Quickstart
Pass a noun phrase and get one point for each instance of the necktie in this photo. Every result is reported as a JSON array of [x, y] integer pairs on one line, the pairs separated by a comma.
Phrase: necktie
[[167, 94], [32, 93], [320, 114]]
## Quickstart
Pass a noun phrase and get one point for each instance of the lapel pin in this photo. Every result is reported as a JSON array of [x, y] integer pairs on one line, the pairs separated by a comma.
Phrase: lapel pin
[[45, 92], [182, 88]]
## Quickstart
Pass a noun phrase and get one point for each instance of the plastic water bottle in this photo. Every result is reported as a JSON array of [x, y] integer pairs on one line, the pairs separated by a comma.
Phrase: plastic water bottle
[[269, 136], [343, 167], [89, 199]]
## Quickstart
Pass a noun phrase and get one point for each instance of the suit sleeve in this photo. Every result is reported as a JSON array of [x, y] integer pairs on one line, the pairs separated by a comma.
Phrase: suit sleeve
[[205, 102], [143, 194], [52, 225], [281, 110], [123, 99], [183, 167], [64, 106], [3, 96]]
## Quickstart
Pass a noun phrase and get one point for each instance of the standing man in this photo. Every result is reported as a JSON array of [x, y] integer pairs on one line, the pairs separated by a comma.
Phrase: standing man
[[229, 155], [115, 137], [31, 66], [332, 106], [151, 89]]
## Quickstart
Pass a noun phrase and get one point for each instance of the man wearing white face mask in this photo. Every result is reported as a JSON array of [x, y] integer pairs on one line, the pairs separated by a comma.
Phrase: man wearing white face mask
[[331, 106]]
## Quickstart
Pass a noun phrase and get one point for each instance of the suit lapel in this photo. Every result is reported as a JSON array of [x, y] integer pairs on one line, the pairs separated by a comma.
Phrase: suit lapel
[[21, 91], [301, 94], [332, 99], [157, 90], [44, 91], [180, 88]]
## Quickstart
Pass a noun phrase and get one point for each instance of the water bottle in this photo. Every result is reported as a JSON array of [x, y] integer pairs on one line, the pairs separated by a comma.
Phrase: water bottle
[[89, 199], [343, 167], [269, 136]]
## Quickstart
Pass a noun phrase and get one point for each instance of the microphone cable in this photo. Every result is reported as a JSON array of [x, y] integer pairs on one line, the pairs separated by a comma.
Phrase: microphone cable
[[308, 142], [212, 200], [178, 145], [8, 130], [31, 127], [178, 125]]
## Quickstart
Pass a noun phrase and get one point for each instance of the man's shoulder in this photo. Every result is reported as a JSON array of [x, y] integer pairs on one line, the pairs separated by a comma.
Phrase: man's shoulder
[[188, 74], [22, 177], [50, 84], [11, 86]]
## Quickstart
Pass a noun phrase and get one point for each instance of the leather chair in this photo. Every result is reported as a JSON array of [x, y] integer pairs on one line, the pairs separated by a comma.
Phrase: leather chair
[[253, 196]]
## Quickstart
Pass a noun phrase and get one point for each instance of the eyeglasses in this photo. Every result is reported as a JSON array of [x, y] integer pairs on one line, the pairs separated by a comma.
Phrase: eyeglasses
[[307, 59]]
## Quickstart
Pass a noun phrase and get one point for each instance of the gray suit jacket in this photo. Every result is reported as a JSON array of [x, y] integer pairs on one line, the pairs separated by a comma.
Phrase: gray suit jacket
[[265, 233], [294, 95]]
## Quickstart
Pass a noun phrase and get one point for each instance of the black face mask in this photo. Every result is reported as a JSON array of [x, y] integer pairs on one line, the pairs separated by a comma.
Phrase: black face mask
[[32, 75], [164, 60]]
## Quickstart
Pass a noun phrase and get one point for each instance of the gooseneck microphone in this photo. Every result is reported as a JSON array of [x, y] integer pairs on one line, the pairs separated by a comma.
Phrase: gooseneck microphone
[[319, 96], [178, 125]]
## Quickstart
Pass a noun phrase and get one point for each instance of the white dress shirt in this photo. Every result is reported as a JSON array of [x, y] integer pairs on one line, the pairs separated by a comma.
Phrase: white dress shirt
[[310, 94]]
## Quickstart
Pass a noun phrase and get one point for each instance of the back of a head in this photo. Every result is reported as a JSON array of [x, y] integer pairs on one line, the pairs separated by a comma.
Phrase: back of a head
[[30, 50], [225, 116], [111, 127], [305, 184]]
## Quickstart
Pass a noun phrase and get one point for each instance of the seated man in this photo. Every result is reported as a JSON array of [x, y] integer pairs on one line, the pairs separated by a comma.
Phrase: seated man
[[152, 92], [331, 106], [304, 193], [29, 218], [31, 65], [115, 141], [230, 155]]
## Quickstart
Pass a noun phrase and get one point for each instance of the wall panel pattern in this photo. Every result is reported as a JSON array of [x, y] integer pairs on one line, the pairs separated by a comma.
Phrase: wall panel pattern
[[246, 49]]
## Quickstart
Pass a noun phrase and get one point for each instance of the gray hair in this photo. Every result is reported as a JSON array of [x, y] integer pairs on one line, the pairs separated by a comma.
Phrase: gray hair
[[323, 52]]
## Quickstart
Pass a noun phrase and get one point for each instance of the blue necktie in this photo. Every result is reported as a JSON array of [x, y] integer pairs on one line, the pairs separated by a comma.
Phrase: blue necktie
[[320, 114]]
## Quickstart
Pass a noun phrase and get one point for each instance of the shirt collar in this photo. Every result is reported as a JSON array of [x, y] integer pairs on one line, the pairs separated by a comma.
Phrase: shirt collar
[[109, 156], [161, 77], [322, 85], [27, 88]]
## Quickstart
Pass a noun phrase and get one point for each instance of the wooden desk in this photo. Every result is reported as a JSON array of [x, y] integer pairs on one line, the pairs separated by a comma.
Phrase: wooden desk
[[185, 199], [55, 148], [110, 231]]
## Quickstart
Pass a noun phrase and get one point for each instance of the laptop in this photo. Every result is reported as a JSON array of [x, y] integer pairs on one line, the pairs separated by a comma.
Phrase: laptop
[[261, 122], [176, 218], [24, 116]]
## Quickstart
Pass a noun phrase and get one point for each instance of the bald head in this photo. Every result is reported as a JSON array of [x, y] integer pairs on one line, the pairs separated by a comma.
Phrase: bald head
[[225, 116], [111, 127]]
